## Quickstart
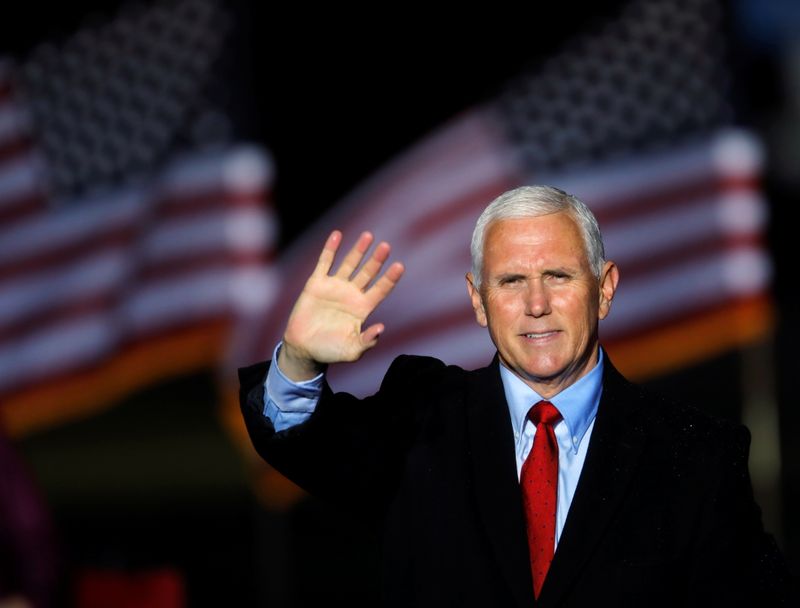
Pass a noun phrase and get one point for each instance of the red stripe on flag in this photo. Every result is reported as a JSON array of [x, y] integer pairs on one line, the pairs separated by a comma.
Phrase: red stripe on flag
[[5, 89], [197, 203], [626, 208], [87, 306], [15, 147], [194, 264], [67, 254], [647, 265], [473, 203], [23, 208]]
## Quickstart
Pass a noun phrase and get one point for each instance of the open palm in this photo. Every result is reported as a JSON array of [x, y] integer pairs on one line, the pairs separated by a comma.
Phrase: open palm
[[326, 324]]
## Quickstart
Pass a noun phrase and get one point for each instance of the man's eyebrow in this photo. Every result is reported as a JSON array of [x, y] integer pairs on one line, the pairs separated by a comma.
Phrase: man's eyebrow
[[553, 270], [560, 270]]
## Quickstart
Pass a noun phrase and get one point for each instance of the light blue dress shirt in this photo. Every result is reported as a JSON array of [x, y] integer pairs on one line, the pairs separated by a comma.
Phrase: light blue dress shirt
[[578, 406], [287, 403]]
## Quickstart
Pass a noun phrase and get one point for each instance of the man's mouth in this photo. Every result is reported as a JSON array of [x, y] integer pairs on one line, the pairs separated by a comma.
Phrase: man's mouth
[[539, 335]]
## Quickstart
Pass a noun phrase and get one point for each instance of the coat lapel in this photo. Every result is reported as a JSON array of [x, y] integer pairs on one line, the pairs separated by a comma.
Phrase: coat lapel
[[495, 478], [614, 447]]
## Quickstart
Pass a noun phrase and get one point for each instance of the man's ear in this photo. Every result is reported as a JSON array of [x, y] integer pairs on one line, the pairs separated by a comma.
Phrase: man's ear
[[477, 302], [609, 279]]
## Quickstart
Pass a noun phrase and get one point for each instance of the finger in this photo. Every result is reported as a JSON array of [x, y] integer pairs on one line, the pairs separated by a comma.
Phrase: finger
[[369, 337], [354, 256], [372, 266], [384, 285], [328, 253]]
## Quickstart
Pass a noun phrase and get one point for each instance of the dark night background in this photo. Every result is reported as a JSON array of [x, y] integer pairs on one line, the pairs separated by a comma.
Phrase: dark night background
[[333, 95]]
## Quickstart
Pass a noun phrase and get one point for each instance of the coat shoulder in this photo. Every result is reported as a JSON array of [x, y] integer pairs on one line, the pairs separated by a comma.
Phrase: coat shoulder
[[680, 423], [415, 372]]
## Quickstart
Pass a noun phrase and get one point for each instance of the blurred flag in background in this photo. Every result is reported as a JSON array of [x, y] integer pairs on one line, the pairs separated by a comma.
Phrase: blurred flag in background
[[137, 241], [134, 230], [633, 117]]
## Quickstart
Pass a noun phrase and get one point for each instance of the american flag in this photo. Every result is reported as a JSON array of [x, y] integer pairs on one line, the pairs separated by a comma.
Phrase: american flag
[[127, 250], [633, 118]]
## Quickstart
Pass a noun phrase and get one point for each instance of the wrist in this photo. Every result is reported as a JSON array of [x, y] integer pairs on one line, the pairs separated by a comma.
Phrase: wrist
[[297, 365]]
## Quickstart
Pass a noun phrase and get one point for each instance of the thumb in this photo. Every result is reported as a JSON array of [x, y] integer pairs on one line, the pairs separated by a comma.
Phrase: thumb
[[369, 337]]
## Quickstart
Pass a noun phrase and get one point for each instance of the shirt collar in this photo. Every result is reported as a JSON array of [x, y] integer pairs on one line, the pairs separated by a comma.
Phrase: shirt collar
[[577, 403]]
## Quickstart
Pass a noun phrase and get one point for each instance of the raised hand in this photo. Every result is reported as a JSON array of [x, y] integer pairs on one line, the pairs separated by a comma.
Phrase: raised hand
[[325, 325]]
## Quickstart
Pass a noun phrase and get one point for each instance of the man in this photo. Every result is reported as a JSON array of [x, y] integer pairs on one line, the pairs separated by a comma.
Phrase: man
[[543, 479]]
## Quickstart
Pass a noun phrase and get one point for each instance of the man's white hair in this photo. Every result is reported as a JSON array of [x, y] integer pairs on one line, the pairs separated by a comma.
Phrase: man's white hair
[[535, 201]]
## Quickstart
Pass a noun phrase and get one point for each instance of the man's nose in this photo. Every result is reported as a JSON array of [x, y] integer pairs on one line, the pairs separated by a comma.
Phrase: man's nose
[[537, 300]]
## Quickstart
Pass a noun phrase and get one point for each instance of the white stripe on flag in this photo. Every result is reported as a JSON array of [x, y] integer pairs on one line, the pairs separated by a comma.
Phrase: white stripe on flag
[[71, 226], [632, 239], [236, 230], [20, 177], [53, 350], [58, 287], [681, 290]]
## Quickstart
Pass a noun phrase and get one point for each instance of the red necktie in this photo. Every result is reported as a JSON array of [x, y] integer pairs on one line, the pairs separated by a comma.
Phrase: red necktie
[[539, 481]]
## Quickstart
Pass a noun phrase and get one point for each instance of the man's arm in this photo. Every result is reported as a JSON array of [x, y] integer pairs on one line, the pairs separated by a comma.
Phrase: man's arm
[[737, 562], [335, 451], [325, 327]]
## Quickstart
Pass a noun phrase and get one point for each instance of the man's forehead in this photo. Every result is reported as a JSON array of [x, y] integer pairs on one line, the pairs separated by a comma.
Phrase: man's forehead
[[552, 240], [561, 226]]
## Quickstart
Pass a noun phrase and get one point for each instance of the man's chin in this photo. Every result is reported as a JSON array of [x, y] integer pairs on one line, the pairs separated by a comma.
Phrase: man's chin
[[540, 376]]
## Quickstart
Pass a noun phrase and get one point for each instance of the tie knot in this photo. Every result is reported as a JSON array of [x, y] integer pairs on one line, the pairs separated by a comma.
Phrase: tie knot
[[544, 411]]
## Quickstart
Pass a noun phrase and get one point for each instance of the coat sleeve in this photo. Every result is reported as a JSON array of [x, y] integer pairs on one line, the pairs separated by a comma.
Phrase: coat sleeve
[[350, 450], [736, 563]]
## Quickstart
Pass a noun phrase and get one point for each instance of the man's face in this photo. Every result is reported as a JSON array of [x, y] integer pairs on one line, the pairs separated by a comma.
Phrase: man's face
[[540, 299]]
